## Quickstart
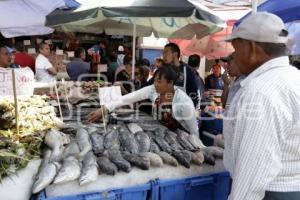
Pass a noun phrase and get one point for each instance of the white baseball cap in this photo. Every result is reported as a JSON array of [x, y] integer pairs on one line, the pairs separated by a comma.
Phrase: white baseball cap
[[261, 27], [120, 48]]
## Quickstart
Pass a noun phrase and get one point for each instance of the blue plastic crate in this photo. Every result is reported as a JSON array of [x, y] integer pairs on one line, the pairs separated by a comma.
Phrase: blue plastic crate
[[142, 192], [210, 187]]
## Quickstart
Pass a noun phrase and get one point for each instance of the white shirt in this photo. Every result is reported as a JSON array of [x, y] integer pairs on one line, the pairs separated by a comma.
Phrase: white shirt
[[262, 139], [42, 64]]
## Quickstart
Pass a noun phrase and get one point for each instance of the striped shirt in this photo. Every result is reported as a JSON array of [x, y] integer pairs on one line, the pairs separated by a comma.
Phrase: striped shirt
[[262, 132]]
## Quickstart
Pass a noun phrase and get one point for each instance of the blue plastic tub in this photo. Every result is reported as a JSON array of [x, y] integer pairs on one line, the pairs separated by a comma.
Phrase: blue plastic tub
[[210, 187], [141, 192]]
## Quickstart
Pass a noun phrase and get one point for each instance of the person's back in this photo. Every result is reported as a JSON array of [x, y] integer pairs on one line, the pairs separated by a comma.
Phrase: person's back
[[78, 69]]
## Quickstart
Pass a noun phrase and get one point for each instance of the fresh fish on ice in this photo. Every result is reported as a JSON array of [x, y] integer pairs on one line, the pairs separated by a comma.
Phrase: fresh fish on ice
[[171, 139], [208, 157], [116, 158], [143, 142], [168, 159], [72, 149], [155, 160], [69, 171], [45, 176], [197, 157], [134, 128], [106, 166], [154, 147], [137, 160], [195, 141], [183, 157], [163, 144], [56, 140], [182, 138], [127, 140], [111, 140], [89, 171], [83, 141], [97, 143]]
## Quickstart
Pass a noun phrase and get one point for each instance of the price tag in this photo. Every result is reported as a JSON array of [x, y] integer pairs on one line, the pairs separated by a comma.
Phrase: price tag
[[108, 95], [31, 51], [102, 68], [27, 43], [59, 52], [24, 82]]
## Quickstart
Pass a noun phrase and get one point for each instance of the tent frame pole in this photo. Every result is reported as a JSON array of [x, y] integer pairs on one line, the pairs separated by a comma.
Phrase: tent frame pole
[[254, 6], [133, 49]]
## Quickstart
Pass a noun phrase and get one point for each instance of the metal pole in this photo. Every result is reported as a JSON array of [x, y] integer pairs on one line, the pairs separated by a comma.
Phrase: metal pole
[[254, 6], [133, 49]]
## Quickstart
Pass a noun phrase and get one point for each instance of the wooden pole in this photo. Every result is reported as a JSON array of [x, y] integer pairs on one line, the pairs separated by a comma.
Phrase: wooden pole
[[58, 101], [66, 93], [16, 101]]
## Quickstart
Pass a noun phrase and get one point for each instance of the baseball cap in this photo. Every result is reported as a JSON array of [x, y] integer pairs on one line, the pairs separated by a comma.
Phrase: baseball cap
[[261, 27], [10, 50], [120, 48]]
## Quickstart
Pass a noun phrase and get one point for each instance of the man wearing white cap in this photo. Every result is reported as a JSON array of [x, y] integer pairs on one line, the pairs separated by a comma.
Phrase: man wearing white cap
[[121, 55], [262, 132]]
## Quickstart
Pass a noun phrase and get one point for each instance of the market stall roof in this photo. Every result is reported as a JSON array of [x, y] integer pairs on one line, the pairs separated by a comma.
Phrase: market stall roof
[[26, 17], [178, 18]]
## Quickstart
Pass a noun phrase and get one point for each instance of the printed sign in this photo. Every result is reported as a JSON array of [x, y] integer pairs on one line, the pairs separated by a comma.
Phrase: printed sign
[[27, 43], [59, 52], [102, 68], [108, 95], [31, 51], [70, 54], [24, 82]]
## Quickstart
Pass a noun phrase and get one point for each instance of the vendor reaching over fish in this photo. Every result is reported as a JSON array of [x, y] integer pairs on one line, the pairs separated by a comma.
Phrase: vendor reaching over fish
[[171, 106]]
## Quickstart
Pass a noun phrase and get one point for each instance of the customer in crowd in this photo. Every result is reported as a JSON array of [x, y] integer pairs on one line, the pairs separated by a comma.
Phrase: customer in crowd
[[78, 69], [22, 58], [121, 55], [141, 75], [45, 71], [262, 130], [112, 67], [5, 59], [12, 53], [186, 77], [194, 62], [215, 80], [123, 75]]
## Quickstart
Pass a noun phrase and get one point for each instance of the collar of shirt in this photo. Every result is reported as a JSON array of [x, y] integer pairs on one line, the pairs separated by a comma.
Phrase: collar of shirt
[[269, 65]]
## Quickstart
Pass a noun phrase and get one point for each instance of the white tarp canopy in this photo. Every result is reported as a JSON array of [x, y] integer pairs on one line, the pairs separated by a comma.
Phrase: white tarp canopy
[[26, 17]]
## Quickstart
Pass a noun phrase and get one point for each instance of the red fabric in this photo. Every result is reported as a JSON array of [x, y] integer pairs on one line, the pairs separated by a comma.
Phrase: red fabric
[[209, 46], [25, 60]]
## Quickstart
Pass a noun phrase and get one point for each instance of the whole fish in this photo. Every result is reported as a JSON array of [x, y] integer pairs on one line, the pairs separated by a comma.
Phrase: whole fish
[[69, 171], [116, 158], [163, 144], [155, 160], [127, 140], [183, 157], [182, 138], [209, 158], [56, 140], [89, 171], [97, 143], [195, 141], [72, 149], [83, 141], [143, 142], [171, 139], [106, 166], [168, 159], [137, 160], [111, 140], [134, 128], [45, 176], [154, 147], [197, 157], [214, 150], [46, 157]]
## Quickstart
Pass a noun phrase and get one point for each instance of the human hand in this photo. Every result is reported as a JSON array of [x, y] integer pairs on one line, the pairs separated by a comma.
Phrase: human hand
[[94, 116]]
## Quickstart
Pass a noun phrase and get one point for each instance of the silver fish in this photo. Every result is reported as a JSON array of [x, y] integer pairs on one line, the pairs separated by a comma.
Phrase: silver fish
[[111, 140], [155, 160], [106, 166], [83, 141], [127, 140], [97, 143], [137, 160], [154, 147], [171, 139], [168, 159], [182, 138], [195, 141], [183, 157], [134, 128], [116, 158], [72, 149], [69, 171], [89, 171], [143, 142], [197, 157], [55, 140], [45, 176], [163, 144]]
